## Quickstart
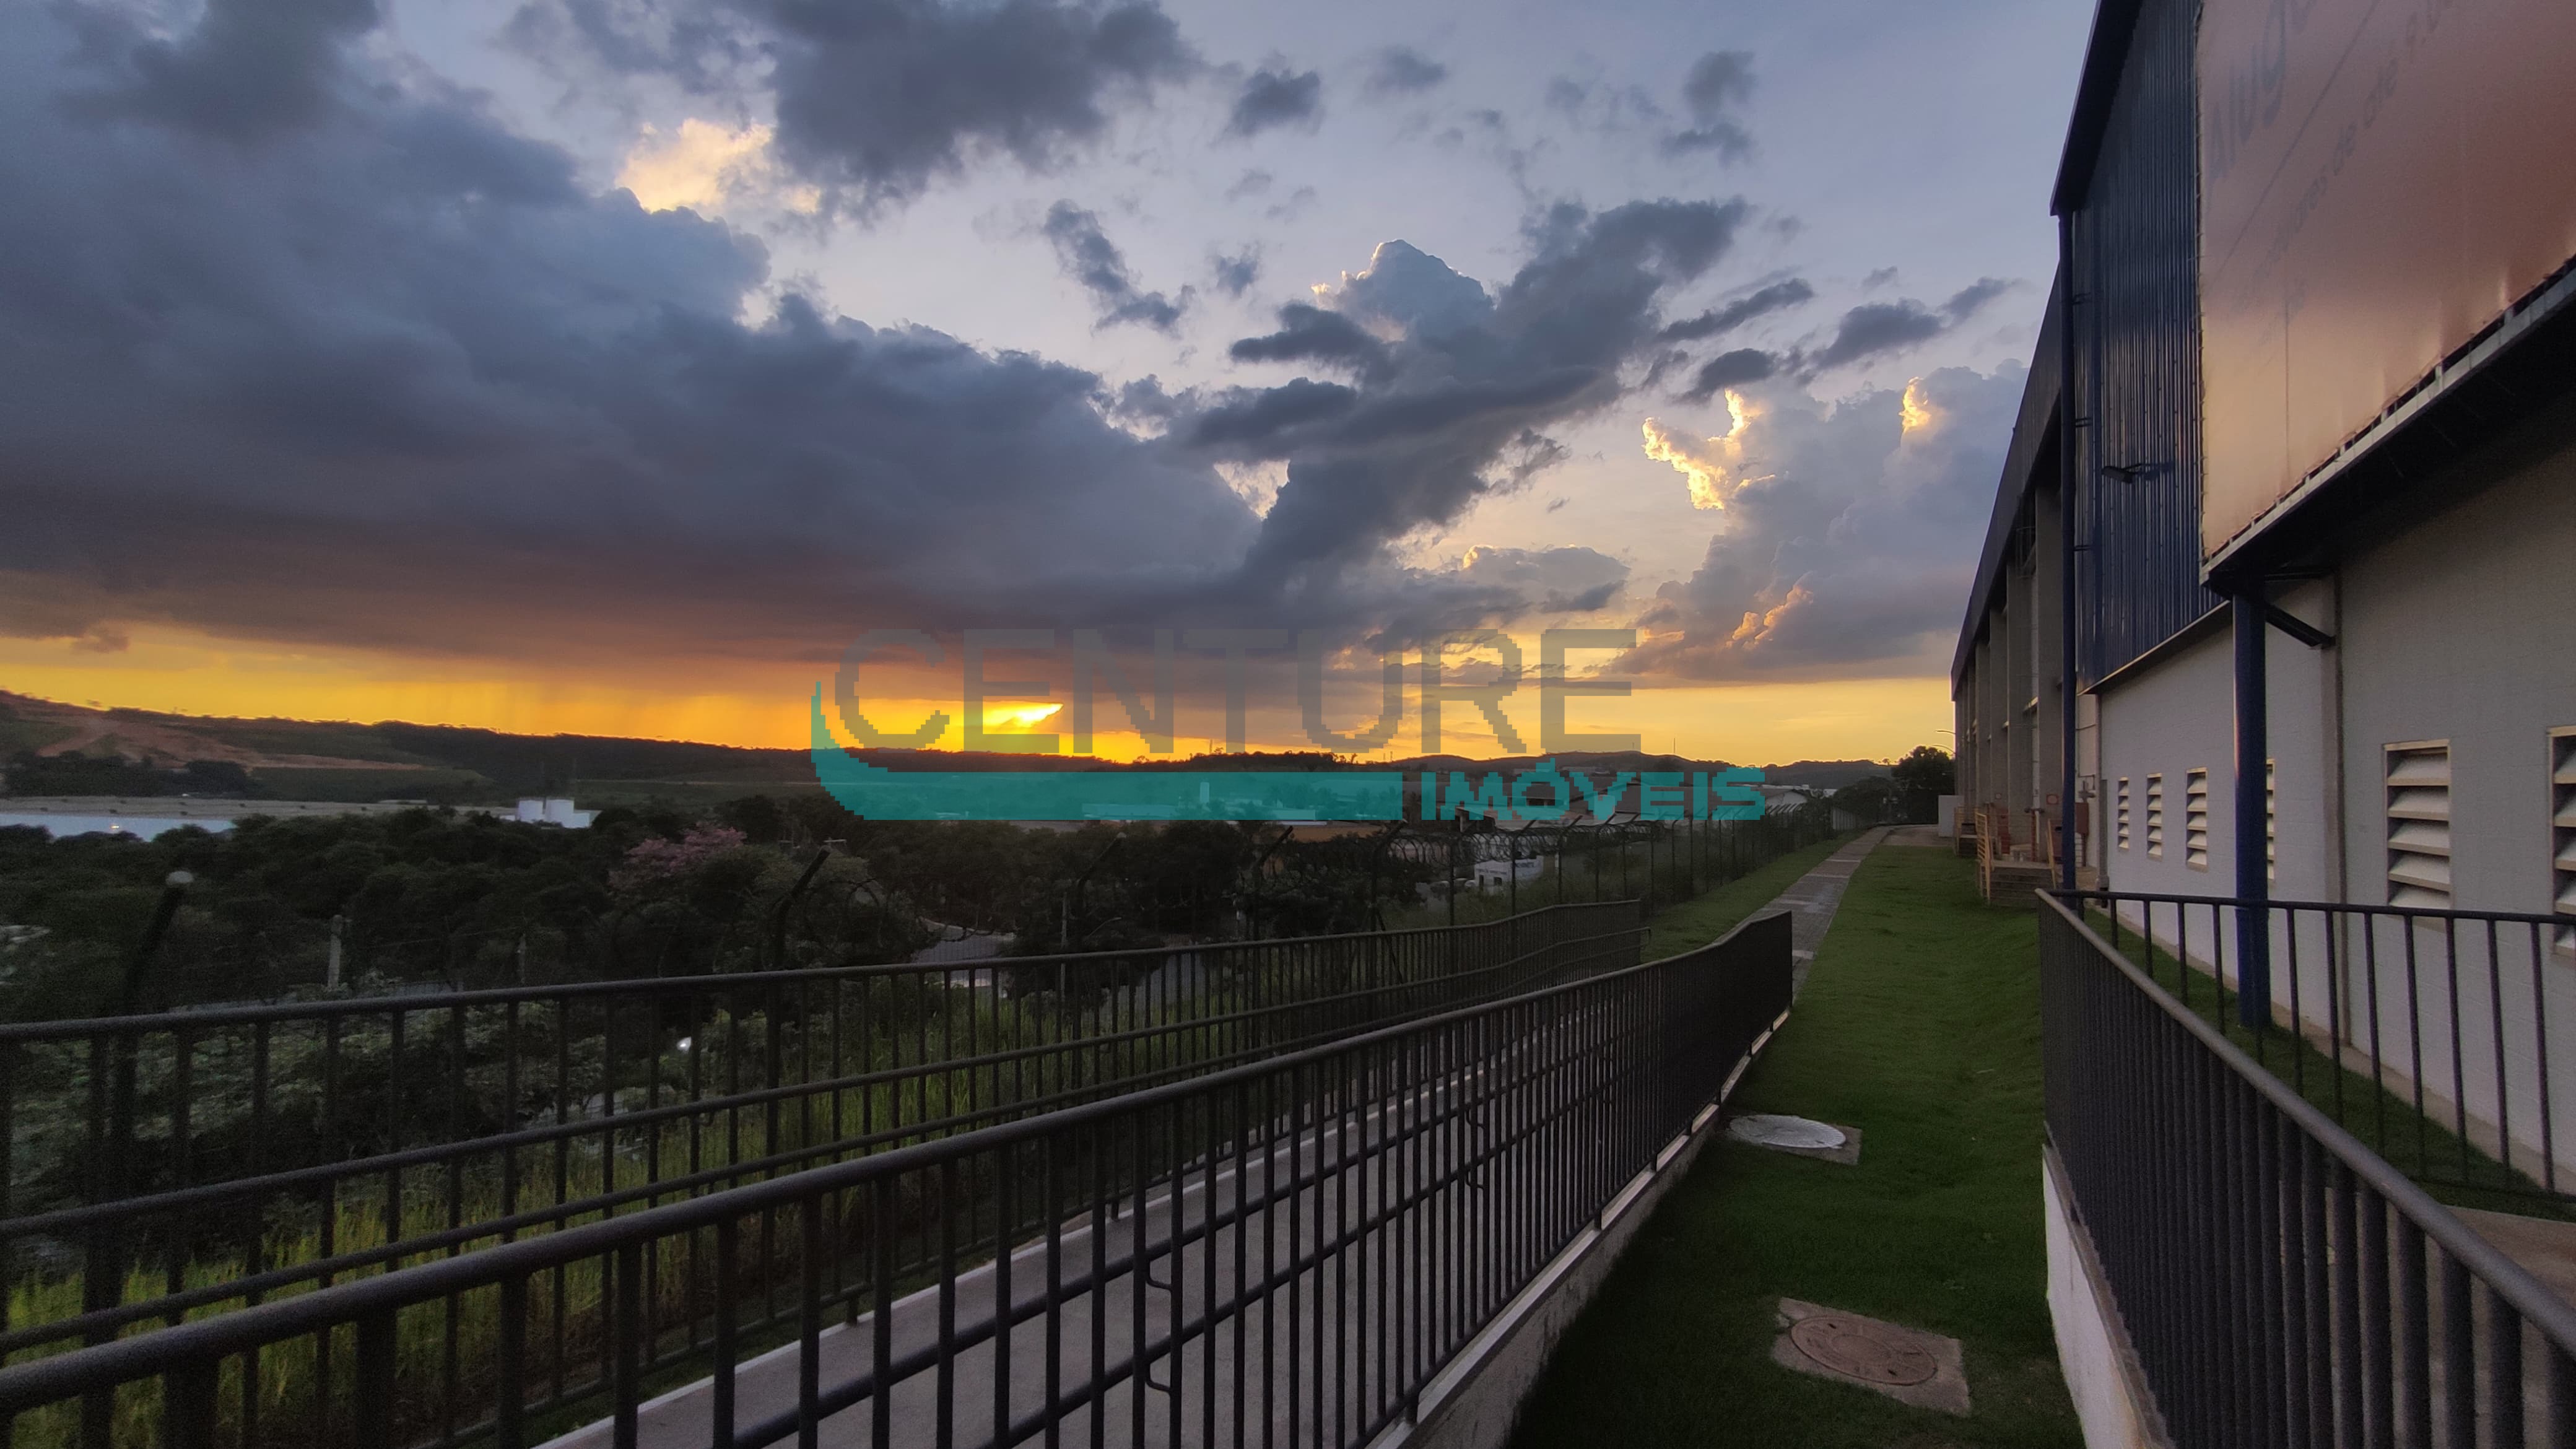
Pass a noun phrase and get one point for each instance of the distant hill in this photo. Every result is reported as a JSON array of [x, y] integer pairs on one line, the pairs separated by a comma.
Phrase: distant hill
[[313, 759]]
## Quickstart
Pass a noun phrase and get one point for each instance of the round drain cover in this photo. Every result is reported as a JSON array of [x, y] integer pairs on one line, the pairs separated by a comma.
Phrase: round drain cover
[[1773, 1130], [1871, 1352]]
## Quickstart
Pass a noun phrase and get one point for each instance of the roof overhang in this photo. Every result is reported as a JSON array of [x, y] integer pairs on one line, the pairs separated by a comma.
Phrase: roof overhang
[[2105, 53], [2032, 456]]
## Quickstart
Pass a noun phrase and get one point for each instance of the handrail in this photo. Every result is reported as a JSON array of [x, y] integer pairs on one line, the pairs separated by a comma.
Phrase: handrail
[[1618, 1003], [700, 982], [2528, 1295], [2353, 908]]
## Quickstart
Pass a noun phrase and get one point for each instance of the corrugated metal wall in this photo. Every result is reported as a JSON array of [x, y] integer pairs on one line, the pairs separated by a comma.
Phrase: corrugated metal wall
[[2137, 356]]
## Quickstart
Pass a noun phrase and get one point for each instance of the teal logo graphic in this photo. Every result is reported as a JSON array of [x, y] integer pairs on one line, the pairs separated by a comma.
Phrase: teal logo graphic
[[1543, 793]]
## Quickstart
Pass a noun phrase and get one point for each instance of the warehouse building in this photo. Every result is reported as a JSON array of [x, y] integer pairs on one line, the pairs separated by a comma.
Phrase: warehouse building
[[2276, 603]]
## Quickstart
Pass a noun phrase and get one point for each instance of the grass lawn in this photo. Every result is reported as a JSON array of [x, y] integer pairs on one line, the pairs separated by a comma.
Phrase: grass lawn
[[1711, 914], [1919, 1026]]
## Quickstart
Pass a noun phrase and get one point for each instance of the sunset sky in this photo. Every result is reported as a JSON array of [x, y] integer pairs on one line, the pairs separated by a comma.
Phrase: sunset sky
[[612, 365]]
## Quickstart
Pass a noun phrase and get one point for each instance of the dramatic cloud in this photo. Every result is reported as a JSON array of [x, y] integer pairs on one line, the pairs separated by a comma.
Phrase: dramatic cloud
[[1276, 98], [1731, 369], [1718, 321], [392, 380], [1555, 580], [702, 166], [1717, 86], [390, 377], [1710, 465], [876, 99], [1098, 267], [1847, 534], [1313, 334], [1457, 386], [1876, 328], [1400, 70], [250, 69]]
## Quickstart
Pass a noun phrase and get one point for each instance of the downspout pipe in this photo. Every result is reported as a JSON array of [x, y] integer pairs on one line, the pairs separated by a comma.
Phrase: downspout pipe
[[2253, 920], [2066, 618]]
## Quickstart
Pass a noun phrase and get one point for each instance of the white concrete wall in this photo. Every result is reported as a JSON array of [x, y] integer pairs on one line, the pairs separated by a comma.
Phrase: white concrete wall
[[2463, 629], [2180, 715], [2112, 1402], [2456, 628]]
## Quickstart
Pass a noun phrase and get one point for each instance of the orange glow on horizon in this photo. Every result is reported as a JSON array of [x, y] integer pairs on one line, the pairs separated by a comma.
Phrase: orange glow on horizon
[[186, 674]]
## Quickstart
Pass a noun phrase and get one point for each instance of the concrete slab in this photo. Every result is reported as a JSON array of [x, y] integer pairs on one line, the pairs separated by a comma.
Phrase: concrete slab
[[1845, 1153], [1890, 1358], [2545, 1247]]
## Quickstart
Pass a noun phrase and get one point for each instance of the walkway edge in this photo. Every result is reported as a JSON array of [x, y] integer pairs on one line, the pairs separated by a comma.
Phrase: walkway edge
[[1475, 1402]]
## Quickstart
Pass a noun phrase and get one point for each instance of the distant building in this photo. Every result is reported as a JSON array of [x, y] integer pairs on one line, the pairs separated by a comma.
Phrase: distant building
[[147, 817], [554, 810]]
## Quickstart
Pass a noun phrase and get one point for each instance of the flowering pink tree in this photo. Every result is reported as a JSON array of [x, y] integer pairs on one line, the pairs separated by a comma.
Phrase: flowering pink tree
[[657, 859]]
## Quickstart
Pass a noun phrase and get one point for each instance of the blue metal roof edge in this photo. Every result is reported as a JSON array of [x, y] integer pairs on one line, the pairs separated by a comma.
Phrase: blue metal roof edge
[[2031, 451], [2106, 52]]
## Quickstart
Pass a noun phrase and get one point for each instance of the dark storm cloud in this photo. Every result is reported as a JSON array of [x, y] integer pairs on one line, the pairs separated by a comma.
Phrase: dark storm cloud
[[250, 69], [1314, 334], [1272, 98], [1966, 302], [1849, 542], [1876, 328], [1258, 416], [1718, 321], [1235, 275], [1718, 84], [1098, 267], [875, 99], [1458, 385], [390, 378], [1731, 369], [1400, 70]]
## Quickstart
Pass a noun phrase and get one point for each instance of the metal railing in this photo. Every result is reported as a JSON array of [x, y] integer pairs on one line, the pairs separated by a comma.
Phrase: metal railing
[[2281, 1283], [2427, 1033], [197, 1160], [1282, 1252]]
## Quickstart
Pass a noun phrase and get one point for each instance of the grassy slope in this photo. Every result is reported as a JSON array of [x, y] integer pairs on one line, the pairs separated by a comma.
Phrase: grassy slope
[[1711, 914], [1919, 1026]]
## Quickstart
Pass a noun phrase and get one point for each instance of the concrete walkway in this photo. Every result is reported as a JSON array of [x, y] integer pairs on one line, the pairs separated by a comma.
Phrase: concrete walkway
[[1302, 1191], [1811, 899]]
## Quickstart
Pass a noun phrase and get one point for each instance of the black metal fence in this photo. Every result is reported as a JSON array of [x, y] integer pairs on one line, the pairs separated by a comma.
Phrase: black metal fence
[[1282, 1252], [2427, 1033], [2282, 1284], [194, 1161]]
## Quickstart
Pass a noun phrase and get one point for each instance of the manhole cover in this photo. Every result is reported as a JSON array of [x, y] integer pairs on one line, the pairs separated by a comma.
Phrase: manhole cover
[[1773, 1130], [1855, 1347]]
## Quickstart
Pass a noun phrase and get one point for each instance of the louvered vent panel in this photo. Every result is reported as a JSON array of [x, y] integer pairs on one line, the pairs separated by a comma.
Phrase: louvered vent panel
[[2271, 820], [2195, 819], [2419, 825], [2562, 821]]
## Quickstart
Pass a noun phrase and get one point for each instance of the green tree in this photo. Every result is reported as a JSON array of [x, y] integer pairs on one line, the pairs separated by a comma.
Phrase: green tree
[[1921, 779]]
